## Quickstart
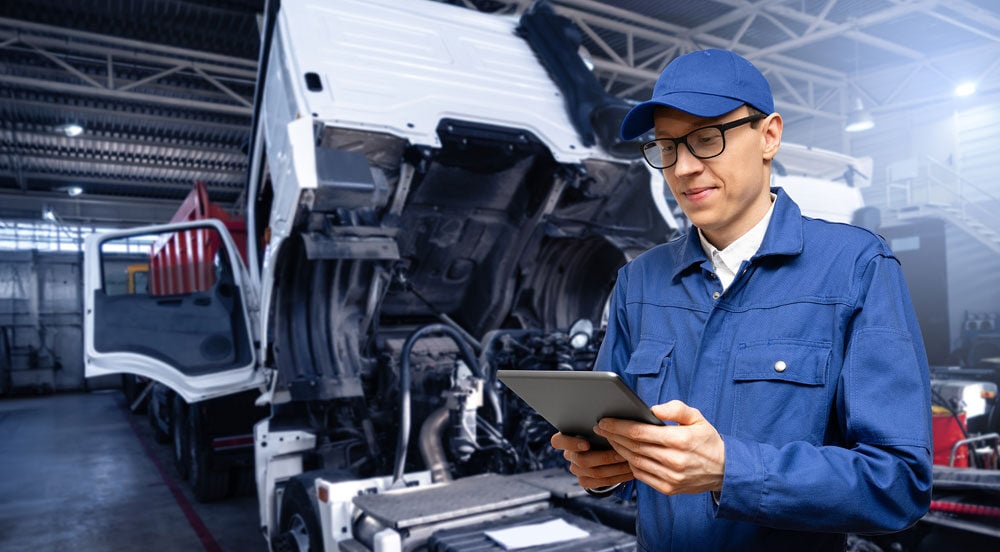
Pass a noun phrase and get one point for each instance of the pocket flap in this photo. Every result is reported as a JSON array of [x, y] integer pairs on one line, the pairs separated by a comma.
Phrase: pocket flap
[[793, 361], [648, 356]]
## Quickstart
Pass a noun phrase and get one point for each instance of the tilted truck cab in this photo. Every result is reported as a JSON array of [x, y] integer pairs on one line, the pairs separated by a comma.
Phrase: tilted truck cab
[[425, 206]]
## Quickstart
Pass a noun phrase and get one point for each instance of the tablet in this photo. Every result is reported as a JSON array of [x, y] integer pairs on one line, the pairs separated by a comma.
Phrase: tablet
[[574, 402]]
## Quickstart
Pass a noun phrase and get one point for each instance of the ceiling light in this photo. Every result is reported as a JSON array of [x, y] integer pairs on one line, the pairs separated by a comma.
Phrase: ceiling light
[[859, 119], [70, 129], [49, 214], [588, 59], [965, 89], [72, 190]]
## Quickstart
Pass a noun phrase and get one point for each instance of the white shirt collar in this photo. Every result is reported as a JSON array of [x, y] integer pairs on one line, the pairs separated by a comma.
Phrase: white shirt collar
[[727, 261]]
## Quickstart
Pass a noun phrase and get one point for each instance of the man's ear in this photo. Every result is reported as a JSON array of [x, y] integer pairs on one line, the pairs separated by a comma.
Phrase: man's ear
[[773, 126]]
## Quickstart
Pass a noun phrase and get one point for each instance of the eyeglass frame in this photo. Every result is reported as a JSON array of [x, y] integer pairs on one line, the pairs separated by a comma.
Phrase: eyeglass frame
[[683, 139]]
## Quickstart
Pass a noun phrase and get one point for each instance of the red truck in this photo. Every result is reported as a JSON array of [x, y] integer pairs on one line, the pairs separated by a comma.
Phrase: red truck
[[213, 439]]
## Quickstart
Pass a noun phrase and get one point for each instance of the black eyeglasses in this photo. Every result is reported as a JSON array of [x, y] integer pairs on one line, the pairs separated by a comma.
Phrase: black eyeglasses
[[703, 143]]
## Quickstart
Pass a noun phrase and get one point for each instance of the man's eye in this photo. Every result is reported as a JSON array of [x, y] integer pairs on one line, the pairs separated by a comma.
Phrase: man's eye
[[707, 138]]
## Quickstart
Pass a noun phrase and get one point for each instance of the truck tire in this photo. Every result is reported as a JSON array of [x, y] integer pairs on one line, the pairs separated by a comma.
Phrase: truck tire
[[179, 431], [299, 526], [284, 542], [207, 482], [153, 413]]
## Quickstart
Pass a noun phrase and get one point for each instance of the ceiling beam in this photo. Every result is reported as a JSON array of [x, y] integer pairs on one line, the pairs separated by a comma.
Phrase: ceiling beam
[[137, 146], [816, 22], [135, 186], [112, 211], [63, 87], [831, 31], [198, 169], [670, 35], [138, 119], [138, 48]]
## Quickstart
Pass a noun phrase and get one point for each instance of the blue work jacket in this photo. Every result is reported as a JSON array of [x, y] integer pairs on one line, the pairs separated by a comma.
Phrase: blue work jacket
[[810, 365]]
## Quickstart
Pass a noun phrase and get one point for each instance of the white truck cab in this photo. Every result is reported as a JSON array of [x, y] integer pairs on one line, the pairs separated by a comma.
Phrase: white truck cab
[[434, 194]]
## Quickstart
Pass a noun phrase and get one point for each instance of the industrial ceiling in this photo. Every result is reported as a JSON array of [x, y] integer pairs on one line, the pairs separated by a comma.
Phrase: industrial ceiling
[[162, 89]]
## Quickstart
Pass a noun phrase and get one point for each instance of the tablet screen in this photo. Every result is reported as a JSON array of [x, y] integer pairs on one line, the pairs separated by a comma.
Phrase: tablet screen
[[574, 402]]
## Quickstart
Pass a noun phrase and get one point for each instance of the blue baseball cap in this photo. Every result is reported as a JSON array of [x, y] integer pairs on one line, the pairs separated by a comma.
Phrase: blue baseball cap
[[707, 83]]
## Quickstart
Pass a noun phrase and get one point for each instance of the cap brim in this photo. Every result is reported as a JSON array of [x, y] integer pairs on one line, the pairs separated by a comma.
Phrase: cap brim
[[639, 119]]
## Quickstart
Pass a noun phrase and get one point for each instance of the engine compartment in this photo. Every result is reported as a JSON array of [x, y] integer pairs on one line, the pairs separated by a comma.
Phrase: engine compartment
[[504, 259]]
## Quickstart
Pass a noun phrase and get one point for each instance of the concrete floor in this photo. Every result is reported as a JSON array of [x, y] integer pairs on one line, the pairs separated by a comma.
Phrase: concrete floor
[[79, 472]]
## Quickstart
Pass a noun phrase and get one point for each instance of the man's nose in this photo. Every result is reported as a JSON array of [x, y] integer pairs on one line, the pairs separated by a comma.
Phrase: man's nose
[[687, 163]]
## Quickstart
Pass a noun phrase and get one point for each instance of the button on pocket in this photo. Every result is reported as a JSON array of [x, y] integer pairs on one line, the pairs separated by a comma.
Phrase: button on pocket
[[780, 390], [788, 360]]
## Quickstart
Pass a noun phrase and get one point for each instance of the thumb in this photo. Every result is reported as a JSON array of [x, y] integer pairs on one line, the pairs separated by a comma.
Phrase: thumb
[[677, 411]]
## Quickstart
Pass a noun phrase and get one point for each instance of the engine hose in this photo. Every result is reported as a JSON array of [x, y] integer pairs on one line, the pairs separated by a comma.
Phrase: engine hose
[[431, 448], [404, 383], [968, 509]]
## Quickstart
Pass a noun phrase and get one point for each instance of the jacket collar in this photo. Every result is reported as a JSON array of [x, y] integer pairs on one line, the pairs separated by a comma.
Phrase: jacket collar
[[783, 237]]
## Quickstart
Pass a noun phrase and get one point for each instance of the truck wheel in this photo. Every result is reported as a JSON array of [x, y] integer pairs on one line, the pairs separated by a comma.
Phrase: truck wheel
[[208, 483], [153, 413], [179, 429], [299, 524], [284, 542]]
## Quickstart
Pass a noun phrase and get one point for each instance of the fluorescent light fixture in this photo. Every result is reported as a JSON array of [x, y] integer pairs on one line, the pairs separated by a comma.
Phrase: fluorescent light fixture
[[588, 59], [859, 119], [71, 190], [965, 89], [70, 129]]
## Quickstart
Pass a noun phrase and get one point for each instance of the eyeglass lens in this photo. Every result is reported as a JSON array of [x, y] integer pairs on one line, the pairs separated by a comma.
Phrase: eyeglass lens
[[702, 143]]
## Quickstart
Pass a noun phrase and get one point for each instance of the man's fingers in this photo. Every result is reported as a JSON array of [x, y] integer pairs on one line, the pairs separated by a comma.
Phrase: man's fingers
[[677, 411], [593, 483], [673, 411], [562, 441], [628, 433], [589, 459], [602, 475]]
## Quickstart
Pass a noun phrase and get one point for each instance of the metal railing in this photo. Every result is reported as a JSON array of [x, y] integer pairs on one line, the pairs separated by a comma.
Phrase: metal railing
[[937, 189]]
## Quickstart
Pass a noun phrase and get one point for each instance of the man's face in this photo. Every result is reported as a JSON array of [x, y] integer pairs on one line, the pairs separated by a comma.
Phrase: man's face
[[724, 196]]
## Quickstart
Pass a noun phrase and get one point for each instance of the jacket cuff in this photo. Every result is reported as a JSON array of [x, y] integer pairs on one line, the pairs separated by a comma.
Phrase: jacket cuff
[[742, 482], [601, 492]]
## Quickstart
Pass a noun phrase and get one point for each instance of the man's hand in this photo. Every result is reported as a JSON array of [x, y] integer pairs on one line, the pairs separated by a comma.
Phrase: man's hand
[[686, 458], [593, 468]]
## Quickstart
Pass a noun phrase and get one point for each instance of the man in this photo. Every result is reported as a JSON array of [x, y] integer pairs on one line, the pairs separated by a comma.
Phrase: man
[[781, 351]]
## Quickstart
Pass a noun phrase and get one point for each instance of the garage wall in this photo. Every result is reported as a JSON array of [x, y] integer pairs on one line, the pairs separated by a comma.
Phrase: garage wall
[[41, 315], [964, 137]]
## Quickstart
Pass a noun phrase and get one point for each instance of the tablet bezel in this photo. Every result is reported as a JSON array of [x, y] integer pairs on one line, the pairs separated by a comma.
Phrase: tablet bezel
[[574, 401]]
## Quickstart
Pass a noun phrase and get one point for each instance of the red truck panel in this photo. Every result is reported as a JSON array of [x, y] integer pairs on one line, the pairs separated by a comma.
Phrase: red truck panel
[[184, 262]]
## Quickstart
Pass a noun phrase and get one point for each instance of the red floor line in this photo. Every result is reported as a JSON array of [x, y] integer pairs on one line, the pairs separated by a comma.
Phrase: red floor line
[[199, 527]]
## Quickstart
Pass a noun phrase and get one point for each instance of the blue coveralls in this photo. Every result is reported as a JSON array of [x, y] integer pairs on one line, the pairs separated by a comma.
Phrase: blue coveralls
[[812, 368]]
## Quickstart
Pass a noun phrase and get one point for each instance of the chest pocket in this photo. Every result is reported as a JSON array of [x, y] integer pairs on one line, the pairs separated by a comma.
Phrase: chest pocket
[[781, 390], [648, 367]]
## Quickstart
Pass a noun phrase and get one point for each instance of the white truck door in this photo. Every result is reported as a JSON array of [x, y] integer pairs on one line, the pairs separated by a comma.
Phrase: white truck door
[[188, 327]]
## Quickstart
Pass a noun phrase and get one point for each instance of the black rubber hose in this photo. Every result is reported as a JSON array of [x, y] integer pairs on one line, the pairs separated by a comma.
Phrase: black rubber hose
[[404, 383]]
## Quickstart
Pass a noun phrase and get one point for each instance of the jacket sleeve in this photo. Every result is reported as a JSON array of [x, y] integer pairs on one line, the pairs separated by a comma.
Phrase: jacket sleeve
[[616, 349], [879, 478]]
